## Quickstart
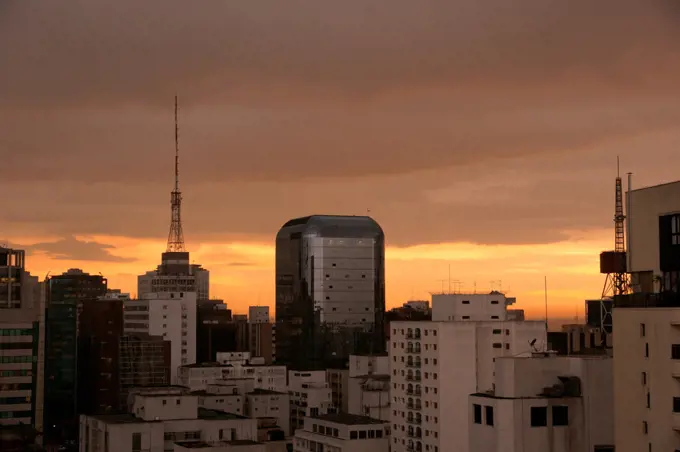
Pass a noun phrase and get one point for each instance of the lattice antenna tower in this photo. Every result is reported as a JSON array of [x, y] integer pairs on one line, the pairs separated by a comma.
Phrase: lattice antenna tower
[[613, 263], [176, 235]]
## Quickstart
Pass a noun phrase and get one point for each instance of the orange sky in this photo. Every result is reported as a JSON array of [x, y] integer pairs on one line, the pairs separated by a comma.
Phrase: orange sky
[[411, 272]]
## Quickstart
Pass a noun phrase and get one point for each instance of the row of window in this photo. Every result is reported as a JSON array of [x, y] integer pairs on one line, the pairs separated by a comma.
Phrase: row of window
[[17, 359], [16, 332], [16, 373], [15, 400], [413, 333], [538, 415], [14, 414], [16, 346]]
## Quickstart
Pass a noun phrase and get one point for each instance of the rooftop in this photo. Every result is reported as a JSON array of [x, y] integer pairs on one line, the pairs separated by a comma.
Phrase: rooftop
[[379, 377], [648, 300], [128, 418], [260, 391], [348, 419], [203, 444]]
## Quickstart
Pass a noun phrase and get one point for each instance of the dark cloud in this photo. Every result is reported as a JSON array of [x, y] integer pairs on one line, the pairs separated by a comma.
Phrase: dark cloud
[[492, 122], [72, 249]]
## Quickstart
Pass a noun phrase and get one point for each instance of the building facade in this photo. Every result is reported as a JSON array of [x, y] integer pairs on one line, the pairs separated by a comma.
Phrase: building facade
[[199, 376], [342, 433], [258, 314], [368, 386], [21, 337], [175, 274], [330, 290], [435, 366], [545, 403], [310, 395], [171, 315], [471, 307]]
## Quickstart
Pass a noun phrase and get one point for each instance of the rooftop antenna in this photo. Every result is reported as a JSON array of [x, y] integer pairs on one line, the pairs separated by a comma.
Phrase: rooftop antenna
[[449, 279], [176, 236], [545, 292]]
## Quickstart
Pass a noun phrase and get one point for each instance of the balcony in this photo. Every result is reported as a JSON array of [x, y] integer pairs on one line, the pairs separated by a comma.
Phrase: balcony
[[414, 364], [415, 392], [414, 406], [415, 434], [413, 377], [414, 421], [675, 368], [413, 350], [676, 422]]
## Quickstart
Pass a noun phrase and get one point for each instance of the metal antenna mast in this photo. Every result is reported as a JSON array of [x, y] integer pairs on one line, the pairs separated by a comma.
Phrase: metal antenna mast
[[613, 263], [176, 236]]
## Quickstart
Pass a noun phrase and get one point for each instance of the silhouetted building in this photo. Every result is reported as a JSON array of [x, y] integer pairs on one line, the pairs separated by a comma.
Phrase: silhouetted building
[[215, 330], [144, 361], [175, 274], [65, 294], [330, 290], [20, 346]]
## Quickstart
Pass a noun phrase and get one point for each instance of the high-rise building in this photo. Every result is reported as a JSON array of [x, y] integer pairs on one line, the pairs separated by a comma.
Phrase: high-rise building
[[435, 366], [647, 321], [215, 330], [175, 274], [143, 361], [330, 290], [21, 336], [65, 295], [171, 315], [258, 314]]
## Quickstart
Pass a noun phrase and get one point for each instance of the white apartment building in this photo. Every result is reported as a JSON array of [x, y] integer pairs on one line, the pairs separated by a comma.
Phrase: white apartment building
[[435, 366], [471, 307], [248, 401], [338, 382], [171, 315], [647, 377], [369, 386], [342, 433], [258, 314], [545, 403], [310, 395], [199, 376], [158, 419]]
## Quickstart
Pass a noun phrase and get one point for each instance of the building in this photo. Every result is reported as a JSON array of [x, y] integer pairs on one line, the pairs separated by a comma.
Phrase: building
[[543, 403], [66, 295], [310, 395], [175, 274], [21, 342], [338, 382], [471, 307], [100, 326], [418, 305], [143, 361], [647, 336], [435, 366], [157, 420], [215, 330], [368, 387], [330, 290], [579, 339], [171, 315], [258, 314], [342, 432], [199, 376], [653, 220]]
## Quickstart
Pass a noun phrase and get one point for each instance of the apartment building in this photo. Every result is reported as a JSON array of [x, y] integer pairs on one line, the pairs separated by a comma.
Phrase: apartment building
[[342, 432], [435, 366], [171, 315], [199, 376], [368, 386], [158, 419], [310, 395], [470, 306], [545, 403]]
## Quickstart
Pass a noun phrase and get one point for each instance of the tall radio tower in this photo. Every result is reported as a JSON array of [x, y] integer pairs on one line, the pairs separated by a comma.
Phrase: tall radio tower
[[613, 263], [176, 236]]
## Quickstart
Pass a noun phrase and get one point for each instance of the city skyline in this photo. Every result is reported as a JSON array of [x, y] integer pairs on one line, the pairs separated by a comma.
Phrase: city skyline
[[502, 167]]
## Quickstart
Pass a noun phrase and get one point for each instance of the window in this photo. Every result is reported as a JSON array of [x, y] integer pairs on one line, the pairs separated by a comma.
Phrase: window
[[676, 404], [649, 400], [643, 330], [466, 317], [675, 351], [645, 428], [489, 415], [644, 378], [494, 317], [494, 301], [646, 350], [675, 230], [560, 415], [353, 435], [497, 331], [497, 345], [477, 413], [315, 428], [336, 432], [539, 416], [466, 301], [378, 434], [136, 442]]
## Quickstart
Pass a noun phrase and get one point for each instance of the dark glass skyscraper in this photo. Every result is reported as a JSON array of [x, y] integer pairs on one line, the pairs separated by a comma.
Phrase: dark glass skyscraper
[[330, 290]]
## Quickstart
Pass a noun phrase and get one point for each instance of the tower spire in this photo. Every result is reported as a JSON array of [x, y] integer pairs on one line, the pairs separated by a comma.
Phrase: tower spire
[[176, 236]]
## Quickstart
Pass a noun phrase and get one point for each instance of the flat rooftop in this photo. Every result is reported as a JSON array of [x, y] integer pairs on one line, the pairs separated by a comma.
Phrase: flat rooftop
[[648, 300], [260, 391], [349, 419], [203, 444], [203, 413]]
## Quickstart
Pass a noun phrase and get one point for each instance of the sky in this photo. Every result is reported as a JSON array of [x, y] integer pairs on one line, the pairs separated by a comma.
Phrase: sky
[[482, 136]]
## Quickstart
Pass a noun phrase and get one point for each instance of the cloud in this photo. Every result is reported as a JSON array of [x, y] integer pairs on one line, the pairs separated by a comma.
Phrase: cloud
[[72, 249]]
